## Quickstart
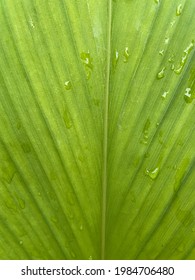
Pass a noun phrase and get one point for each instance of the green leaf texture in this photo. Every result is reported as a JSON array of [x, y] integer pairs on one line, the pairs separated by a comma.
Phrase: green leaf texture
[[97, 129]]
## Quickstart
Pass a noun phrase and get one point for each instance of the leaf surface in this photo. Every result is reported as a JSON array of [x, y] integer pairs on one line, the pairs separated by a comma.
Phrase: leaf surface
[[97, 129]]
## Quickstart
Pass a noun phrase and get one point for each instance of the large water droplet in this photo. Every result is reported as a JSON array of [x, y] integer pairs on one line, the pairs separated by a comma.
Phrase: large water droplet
[[152, 173], [184, 58], [179, 10], [67, 85], [161, 73]]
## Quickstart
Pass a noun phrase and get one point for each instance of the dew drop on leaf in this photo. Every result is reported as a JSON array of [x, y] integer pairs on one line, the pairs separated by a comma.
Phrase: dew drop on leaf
[[161, 74], [126, 54], [87, 61], [115, 59], [145, 133], [67, 120], [67, 85], [179, 10], [161, 52], [164, 95], [188, 96], [184, 58], [21, 242], [152, 173]]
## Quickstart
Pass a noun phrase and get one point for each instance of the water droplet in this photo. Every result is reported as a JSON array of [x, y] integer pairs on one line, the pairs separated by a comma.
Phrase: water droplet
[[90, 258], [145, 132], [164, 95], [172, 23], [188, 96], [171, 58], [184, 58], [87, 61], [167, 40], [67, 85], [153, 174], [67, 119], [161, 52], [126, 54], [21, 242], [161, 74], [115, 59], [32, 25], [179, 10]]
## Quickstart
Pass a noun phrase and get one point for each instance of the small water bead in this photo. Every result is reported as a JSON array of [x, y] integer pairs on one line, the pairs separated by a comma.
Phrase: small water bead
[[87, 61], [152, 173], [126, 54], [67, 85], [164, 95], [21, 242], [188, 96], [90, 258], [172, 23], [115, 59], [161, 73], [32, 25], [161, 52], [179, 10], [145, 132]]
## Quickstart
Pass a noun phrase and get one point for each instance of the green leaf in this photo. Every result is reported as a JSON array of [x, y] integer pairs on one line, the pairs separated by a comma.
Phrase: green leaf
[[97, 129]]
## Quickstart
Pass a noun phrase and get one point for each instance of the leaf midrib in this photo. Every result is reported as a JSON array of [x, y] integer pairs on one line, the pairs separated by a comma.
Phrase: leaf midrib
[[105, 132]]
